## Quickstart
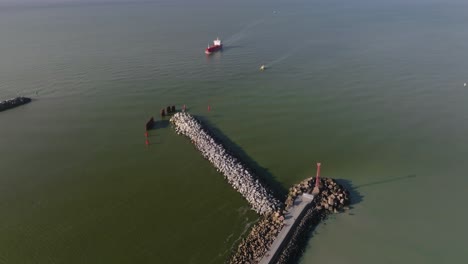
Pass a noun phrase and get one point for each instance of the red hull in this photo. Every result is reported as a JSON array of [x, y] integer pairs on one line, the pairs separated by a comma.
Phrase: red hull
[[212, 49]]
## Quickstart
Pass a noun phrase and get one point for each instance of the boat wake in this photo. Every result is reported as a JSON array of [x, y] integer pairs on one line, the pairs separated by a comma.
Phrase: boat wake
[[244, 32], [288, 54]]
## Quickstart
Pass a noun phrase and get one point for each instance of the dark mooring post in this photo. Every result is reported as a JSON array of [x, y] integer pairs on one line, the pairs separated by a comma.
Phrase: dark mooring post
[[149, 124]]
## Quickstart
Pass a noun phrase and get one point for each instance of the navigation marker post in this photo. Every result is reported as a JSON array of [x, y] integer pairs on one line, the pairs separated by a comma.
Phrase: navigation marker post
[[317, 181]]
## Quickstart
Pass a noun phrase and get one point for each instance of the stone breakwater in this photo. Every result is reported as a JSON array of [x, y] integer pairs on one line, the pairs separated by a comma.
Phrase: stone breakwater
[[11, 103], [241, 179], [252, 248], [332, 198]]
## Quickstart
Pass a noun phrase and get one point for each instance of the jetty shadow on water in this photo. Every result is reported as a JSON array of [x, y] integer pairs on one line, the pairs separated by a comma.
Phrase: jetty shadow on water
[[157, 125], [160, 124], [355, 195], [236, 151], [388, 180]]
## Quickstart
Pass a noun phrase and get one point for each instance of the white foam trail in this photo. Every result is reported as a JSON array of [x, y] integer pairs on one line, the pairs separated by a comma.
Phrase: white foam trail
[[282, 58], [243, 33], [288, 54]]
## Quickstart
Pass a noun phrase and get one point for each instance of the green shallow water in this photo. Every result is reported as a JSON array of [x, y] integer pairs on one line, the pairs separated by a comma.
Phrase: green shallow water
[[373, 90]]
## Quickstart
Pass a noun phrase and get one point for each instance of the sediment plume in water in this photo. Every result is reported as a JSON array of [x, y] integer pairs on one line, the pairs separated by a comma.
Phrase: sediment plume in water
[[240, 177]]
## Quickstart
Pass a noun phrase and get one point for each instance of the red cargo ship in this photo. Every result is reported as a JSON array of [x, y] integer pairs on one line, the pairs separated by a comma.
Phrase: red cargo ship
[[217, 45]]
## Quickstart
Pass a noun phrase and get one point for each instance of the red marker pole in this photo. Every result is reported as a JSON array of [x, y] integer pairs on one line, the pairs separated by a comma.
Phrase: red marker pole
[[147, 142], [317, 178], [209, 108]]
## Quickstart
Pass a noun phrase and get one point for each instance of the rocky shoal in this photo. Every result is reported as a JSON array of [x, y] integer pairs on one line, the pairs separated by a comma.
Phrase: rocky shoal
[[242, 180]]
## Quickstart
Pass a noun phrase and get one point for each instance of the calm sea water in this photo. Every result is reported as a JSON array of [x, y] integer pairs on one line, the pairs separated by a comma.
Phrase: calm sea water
[[372, 89]]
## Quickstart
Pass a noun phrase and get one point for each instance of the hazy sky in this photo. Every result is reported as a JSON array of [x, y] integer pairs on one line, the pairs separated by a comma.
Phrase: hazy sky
[[50, 1], [6, 3], [64, 1]]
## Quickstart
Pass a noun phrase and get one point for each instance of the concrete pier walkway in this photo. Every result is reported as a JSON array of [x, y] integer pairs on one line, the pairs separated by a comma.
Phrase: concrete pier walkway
[[291, 219]]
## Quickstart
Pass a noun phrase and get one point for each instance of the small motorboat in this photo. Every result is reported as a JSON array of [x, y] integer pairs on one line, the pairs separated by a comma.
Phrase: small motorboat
[[262, 67]]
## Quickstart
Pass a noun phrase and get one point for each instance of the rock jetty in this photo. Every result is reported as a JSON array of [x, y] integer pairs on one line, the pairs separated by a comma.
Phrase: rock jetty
[[332, 198], [252, 248], [241, 179], [14, 102]]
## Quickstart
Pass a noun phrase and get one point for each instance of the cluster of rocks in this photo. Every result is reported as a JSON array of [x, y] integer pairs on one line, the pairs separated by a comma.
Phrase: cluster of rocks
[[252, 248], [14, 102], [241, 179], [304, 186], [332, 198]]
